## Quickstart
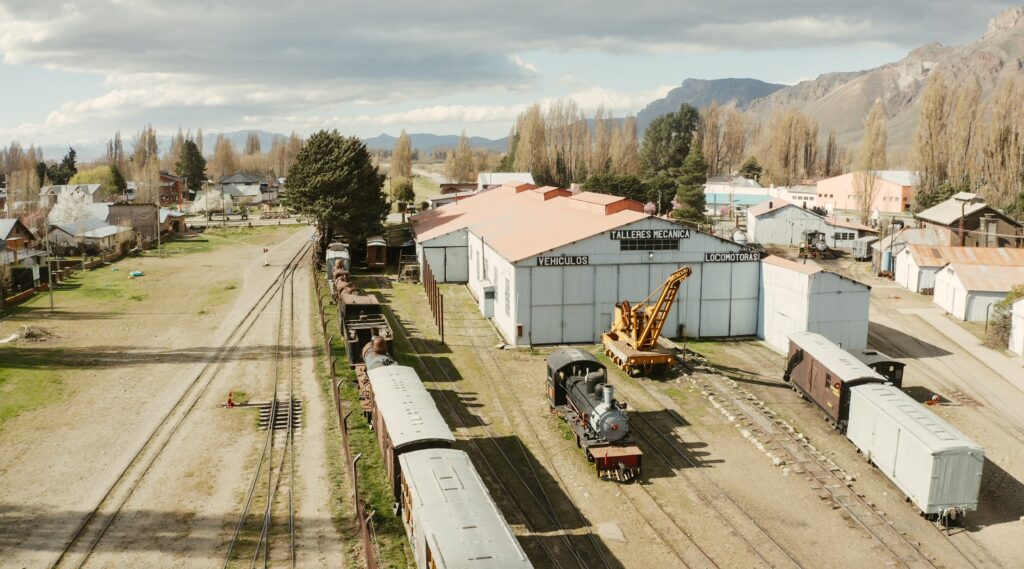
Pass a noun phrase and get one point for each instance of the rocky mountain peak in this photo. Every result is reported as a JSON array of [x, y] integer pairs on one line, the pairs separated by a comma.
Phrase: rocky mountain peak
[[1006, 20]]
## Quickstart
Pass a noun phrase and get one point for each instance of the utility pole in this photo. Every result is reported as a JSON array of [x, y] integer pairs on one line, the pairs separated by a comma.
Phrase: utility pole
[[49, 264]]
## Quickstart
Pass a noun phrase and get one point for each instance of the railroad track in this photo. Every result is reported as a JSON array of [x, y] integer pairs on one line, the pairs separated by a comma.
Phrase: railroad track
[[753, 535], [281, 420], [94, 526], [437, 373], [785, 444]]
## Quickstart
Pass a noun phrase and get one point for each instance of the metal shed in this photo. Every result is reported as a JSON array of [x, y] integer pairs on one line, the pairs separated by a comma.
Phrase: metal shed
[[933, 463], [797, 297], [862, 247], [969, 291], [405, 417], [449, 516]]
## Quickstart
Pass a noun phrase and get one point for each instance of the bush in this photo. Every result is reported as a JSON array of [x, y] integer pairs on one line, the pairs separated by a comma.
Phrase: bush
[[1001, 319]]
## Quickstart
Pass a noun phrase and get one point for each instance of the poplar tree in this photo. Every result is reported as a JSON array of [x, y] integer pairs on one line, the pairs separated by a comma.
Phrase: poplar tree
[[401, 158], [871, 159]]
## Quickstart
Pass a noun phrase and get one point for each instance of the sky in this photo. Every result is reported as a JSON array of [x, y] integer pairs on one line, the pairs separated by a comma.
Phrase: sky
[[76, 71]]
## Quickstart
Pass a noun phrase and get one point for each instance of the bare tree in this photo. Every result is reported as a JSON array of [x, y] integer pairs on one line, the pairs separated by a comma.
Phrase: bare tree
[[1001, 164], [401, 158], [831, 165], [252, 143], [790, 147], [871, 159], [461, 164], [199, 139], [531, 153], [225, 160]]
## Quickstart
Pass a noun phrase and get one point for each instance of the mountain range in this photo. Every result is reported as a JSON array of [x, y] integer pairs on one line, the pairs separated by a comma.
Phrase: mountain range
[[701, 93]]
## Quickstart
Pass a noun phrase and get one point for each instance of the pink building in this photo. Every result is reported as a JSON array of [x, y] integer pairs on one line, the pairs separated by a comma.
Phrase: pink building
[[894, 192]]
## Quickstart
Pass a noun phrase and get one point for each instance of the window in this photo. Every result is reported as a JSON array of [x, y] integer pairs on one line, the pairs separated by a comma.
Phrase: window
[[508, 298], [648, 245]]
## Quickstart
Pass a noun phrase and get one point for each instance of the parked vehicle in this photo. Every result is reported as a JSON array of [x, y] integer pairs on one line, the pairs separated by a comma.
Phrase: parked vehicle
[[579, 392], [823, 373], [935, 465]]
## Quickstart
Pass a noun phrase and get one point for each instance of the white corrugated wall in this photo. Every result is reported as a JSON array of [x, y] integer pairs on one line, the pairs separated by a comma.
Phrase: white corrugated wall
[[1017, 328], [838, 309]]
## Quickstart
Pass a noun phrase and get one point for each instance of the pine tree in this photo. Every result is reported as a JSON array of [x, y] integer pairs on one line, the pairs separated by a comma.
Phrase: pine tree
[[192, 166], [334, 181], [118, 183], [690, 195]]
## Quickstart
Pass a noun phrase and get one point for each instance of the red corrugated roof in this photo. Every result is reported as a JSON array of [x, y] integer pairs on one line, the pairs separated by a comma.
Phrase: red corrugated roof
[[791, 265], [768, 206], [518, 226]]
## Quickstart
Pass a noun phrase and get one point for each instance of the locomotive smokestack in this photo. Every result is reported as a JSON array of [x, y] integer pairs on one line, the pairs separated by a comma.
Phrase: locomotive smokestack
[[608, 393]]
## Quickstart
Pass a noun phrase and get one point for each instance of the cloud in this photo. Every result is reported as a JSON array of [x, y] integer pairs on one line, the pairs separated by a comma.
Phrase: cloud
[[306, 59]]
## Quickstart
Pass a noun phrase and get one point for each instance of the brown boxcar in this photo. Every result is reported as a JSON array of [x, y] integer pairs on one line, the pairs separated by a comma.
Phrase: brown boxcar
[[405, 418], [824, 373], [376, 252]]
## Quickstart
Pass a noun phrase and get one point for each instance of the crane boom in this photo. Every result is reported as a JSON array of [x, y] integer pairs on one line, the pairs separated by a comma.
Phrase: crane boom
[[648, 337]]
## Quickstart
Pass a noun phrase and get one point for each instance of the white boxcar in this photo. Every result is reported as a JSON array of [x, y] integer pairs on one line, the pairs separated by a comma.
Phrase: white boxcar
[[936, 466], [449, 515]]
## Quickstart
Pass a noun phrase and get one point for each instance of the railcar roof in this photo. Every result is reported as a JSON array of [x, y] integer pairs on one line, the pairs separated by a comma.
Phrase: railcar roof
[[408, 410], [567, 356], [461, 522], [843, 365], [938, 435]]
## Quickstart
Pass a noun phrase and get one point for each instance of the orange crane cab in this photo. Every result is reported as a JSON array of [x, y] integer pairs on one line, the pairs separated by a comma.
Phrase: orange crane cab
[[632, 343]]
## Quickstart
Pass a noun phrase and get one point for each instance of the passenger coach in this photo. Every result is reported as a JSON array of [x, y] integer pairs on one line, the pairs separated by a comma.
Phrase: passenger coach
[[450, 517]]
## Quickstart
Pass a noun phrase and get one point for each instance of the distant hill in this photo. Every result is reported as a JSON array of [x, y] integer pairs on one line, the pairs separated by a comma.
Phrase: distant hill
[[701, 93], [426, 142], [840, 101]]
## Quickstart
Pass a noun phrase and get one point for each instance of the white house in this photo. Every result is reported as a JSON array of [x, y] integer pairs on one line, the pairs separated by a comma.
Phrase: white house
[[916, 265], [798, 297], [778, 222], [1017, 328], [969, 291], [740, 192], [50, 195]]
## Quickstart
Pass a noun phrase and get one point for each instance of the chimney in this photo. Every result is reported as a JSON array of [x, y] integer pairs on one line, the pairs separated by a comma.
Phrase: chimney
[[770, 205]]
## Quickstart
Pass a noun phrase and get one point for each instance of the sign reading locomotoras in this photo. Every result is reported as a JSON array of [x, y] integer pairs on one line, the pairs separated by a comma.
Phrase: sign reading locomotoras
[[650, 234], [563, 261], [732, 257]]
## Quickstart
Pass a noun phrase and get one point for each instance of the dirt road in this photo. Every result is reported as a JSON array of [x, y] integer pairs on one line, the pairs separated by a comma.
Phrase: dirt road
[[58, 460]]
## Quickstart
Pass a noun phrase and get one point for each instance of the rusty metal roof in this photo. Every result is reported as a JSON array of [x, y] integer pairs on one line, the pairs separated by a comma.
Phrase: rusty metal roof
[[986, 278], [939, 256]]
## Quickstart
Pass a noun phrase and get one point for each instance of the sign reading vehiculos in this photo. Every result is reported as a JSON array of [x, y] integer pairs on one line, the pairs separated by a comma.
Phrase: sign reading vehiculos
[[563, 261], [650, 234]]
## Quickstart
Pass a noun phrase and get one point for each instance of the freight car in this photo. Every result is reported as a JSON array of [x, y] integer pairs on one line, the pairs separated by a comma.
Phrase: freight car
[[824, 373], [450, 517], [578, 391], [361, 319], [405, 418], [890, 369], [935, 465]]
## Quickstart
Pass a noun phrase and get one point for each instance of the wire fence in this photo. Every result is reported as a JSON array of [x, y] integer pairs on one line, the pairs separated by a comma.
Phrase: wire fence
[[367, 532]]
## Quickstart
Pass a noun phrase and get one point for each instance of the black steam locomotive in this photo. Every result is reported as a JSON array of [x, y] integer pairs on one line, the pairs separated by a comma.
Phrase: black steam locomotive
[[579, 391]]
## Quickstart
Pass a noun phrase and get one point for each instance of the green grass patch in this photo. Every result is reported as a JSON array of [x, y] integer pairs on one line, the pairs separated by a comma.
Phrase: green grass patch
[[23, 388], [214, 237], [374, 485]]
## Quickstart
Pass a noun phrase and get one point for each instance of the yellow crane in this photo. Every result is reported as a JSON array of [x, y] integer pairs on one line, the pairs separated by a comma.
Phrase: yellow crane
[[632, 342]]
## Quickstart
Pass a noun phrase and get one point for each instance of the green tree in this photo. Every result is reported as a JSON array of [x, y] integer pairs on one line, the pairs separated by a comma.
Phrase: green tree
[[61, 173], [661, 189], [192, 165], [118, 185], [507, 162], [334, 181], [98, 175], [631, 187], [403, 192], [691, 187], [667, 141], [751, 169], [925, 198], [1000, 322]]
